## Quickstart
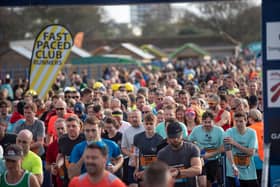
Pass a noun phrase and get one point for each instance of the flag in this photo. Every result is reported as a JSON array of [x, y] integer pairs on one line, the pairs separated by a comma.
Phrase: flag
[[78, 40], [50, 51]]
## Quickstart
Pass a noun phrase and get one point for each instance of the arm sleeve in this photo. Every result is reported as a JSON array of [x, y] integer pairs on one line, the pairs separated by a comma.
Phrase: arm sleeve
[[116, 150], [41, 129], [222, 136], [75, 155], [37, 166], [124, 141], [253, 140], [195, 151]]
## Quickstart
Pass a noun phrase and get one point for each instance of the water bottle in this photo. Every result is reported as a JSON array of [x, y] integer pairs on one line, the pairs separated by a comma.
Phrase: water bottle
[[227, 146], [237, 182]]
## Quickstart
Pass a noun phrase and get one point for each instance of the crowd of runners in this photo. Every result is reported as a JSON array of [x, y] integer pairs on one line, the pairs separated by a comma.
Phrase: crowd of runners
[[144, 126]]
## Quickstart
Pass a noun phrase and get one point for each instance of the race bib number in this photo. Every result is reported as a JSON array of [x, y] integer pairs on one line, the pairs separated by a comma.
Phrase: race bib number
[[146, 160], [180, 167], [242, 160]]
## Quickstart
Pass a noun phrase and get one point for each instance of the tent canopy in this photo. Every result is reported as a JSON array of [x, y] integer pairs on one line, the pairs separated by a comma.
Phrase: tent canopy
[[153, 50], [193, 47], [104, 60]]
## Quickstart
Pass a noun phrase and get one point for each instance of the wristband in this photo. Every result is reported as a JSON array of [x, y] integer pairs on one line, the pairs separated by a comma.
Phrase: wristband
[[234, 166]]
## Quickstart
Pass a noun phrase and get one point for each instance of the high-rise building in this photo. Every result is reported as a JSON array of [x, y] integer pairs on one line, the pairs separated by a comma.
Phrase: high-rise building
[[158, 11]]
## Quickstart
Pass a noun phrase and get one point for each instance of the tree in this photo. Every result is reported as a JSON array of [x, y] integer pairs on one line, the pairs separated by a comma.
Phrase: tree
[[191, 24], [32, 19], [118, 30], [236, 19]]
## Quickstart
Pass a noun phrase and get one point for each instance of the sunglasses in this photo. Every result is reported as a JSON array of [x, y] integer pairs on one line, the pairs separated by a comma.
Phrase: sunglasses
[[190, 113], [59, 108], [90, 130], [10, 160]]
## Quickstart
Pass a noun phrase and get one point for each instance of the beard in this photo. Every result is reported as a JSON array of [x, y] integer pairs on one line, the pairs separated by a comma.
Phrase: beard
[[176, 145], [92, 169]]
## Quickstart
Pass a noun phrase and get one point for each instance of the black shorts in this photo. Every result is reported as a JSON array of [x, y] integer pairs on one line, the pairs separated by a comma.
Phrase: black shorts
[[210, 169], [130, 176], [243, 183]]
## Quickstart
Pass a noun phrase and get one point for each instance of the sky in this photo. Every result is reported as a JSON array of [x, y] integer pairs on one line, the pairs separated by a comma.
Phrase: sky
[[121, 13]]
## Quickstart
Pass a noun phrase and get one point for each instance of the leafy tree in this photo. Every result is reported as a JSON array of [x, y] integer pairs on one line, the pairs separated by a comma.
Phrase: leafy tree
[[32, 19], [233, 19]]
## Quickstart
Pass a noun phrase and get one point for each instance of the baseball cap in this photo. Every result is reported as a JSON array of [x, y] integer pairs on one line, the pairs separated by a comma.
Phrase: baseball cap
[[115, 86], [13, 152], [174, 130], [129, 87], [98, 86], [79, 107]]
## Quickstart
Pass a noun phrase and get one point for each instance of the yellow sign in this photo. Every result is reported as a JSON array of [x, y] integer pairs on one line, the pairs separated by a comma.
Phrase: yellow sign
[[51, 50]]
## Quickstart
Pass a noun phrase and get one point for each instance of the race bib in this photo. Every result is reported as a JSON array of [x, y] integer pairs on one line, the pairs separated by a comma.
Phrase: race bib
[[180, 167], [242, 160], [146, 160], [60, 167], [210, 150]]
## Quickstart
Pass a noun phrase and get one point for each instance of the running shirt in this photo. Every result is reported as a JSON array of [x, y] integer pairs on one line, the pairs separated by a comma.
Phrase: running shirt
[[23, 182], [32, 163], [78, 151], [146, 148], [208, 141], [244, 163], [109, 180]]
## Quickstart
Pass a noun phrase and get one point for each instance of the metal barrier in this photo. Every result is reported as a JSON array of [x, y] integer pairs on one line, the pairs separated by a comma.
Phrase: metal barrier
[[265, 172]]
